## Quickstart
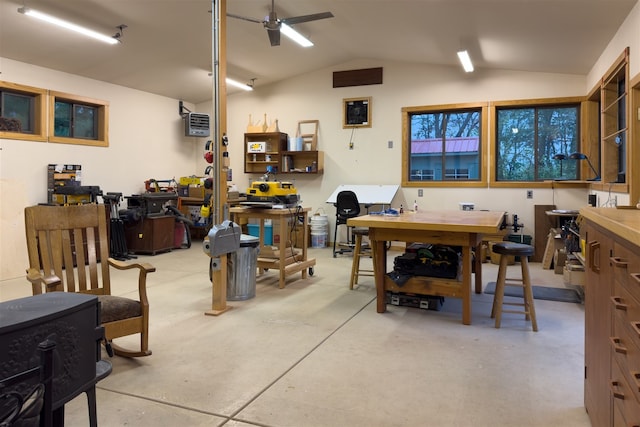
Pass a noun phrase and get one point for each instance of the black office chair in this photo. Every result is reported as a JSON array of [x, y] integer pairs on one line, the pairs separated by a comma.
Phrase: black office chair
[[347, 206]]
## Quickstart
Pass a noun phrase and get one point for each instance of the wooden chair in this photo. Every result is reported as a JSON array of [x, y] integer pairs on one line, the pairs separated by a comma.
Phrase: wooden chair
[[55, 235]]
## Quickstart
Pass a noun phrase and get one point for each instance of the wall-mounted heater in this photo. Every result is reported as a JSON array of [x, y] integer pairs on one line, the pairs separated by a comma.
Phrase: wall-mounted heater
[[196, 124]]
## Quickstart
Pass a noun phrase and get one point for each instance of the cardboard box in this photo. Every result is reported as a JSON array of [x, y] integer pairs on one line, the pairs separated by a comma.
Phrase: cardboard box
[[198, 192], [298, 237], [573, 276], [294, 235], [559, 260]]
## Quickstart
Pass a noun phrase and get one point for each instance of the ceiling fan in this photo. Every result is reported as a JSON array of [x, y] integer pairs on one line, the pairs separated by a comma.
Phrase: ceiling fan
[[273, 24]]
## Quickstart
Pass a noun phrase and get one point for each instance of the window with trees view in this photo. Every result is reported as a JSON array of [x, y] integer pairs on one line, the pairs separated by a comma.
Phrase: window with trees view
[[75, 120], [22, 112], [78, 120], [443, 144], [533, 142], [18, 109]]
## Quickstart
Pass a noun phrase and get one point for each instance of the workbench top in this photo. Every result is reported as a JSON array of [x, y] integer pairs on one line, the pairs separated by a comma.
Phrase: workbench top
[[622, 222], [451, 221]]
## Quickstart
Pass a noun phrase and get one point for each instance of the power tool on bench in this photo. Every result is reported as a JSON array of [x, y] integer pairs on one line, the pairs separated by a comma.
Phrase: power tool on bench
[[270, 194]]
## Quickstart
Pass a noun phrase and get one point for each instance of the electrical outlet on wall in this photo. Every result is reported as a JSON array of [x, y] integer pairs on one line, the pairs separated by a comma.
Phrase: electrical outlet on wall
[[420, 192], [529, 194]]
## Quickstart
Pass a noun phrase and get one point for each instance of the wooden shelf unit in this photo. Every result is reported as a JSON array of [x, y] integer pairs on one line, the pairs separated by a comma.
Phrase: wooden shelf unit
[[300, 160], [274, 143], [275, 153]]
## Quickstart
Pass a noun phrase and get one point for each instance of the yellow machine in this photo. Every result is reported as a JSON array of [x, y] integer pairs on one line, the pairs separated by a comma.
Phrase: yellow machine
[[270, 194]]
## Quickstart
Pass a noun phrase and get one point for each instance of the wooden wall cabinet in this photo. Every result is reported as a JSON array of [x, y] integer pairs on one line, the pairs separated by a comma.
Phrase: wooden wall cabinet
[[610, 131], [612, 325], [614, 123], [277, 156]]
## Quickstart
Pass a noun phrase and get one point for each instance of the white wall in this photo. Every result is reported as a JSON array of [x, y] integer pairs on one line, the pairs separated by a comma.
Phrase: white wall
[[311, 96], [628, 35], [145, 141]]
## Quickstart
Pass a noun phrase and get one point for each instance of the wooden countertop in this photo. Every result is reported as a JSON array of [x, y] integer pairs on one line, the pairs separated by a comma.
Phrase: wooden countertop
[[485, 222], [622, 222]]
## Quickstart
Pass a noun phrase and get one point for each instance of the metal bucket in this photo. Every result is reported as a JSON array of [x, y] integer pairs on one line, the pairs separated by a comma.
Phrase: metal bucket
[[241, 269]]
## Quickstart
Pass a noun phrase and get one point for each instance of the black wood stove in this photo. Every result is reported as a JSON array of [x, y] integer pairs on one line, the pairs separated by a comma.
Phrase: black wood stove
[[72, 320]]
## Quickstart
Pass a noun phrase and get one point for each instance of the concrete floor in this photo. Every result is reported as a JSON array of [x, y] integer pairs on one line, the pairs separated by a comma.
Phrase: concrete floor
[[318, 354]]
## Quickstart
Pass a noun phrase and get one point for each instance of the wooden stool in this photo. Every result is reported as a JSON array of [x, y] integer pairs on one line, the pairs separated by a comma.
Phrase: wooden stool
[[506, 249], [358, 251]]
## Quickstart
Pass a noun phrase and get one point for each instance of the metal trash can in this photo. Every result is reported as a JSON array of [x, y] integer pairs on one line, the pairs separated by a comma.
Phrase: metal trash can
[[241, 269]]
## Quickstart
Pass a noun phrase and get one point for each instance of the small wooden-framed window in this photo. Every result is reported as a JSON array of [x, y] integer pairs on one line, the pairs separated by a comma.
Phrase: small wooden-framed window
[[78, 120], [22, 112]]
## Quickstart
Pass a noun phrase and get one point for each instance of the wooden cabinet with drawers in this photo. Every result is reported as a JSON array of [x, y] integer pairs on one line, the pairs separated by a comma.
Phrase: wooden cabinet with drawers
[[597, 313], [612, 317], [625, 340]]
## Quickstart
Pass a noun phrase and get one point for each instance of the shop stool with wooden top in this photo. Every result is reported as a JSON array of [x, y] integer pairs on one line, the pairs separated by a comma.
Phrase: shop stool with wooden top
[[507, 249], [358, 251]]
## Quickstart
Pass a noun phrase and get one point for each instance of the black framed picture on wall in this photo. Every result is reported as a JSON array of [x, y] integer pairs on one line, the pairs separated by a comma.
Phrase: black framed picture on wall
[[356, 112]]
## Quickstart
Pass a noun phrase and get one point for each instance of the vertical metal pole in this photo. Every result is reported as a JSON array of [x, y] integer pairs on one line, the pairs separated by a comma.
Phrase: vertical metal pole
[[219, 275], [215, 7]]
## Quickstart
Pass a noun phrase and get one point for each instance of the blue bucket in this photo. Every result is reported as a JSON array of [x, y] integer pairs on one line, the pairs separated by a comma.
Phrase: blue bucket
[[254, 230]]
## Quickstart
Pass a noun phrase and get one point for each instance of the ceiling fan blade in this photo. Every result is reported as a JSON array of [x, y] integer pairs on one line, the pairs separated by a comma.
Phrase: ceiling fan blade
[[307, 18], [274, 37], [244, 18]]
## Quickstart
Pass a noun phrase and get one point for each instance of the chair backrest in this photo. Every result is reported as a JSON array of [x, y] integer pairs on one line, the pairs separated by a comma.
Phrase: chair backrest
[[347, 205], [69, 242]]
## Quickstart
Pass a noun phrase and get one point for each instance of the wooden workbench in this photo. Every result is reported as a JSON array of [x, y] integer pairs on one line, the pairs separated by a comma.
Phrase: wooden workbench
[[455, 228], [287, 262]]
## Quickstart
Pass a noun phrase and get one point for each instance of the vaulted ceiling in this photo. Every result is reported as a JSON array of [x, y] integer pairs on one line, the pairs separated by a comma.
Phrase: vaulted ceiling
[[166, 47]]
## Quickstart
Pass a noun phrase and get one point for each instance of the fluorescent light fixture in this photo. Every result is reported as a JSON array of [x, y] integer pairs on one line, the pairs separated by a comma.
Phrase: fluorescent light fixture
[[465, 60], [239, 85], [295, 36], [66, 24]]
